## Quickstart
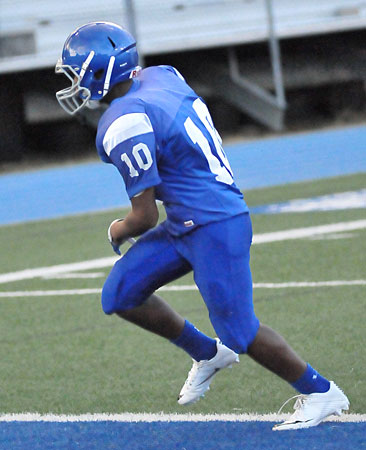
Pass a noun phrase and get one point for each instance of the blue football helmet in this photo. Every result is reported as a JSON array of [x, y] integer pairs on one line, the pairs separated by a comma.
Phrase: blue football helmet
[[95, 57]]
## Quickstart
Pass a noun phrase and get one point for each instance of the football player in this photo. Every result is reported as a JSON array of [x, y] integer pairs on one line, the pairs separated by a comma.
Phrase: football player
[[160, 136]]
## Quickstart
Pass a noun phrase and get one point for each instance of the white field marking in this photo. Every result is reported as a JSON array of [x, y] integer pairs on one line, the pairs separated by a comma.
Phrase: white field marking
[[189, 287], [333, 202], [77, 275], [310, 284], [90, 275], [50, 293], [55, 270], [276, 236], [299, 233], [161, 417], [334, 236], [278, 285]]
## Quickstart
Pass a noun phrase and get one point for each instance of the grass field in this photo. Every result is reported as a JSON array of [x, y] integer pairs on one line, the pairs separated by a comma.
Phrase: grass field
[[61, 354]]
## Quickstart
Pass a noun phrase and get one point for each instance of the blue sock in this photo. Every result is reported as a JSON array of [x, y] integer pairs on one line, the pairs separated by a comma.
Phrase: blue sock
[[196, 344], [311, 381]]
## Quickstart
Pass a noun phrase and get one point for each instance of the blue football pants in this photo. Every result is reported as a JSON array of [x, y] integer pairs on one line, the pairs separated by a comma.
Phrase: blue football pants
[[218, 254]]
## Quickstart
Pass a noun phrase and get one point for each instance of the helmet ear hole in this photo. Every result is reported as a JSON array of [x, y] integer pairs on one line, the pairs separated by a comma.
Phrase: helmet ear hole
[[99, 74]]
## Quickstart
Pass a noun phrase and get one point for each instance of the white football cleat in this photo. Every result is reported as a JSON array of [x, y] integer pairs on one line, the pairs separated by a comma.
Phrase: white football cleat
[[203, 372], [311, 409]]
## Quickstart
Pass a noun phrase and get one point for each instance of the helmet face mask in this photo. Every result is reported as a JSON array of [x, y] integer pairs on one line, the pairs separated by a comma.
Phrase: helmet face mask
[[74, 97], [95, 57]]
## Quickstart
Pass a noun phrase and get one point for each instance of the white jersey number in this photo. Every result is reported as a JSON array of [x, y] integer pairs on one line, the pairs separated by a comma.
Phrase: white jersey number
[[219, 165], [140, 162]]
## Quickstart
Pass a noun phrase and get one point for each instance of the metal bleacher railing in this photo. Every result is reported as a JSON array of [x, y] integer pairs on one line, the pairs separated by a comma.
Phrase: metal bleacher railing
[[32, 32]]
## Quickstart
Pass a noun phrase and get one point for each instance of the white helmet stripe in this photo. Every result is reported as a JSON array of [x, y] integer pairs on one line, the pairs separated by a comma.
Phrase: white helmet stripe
[[108, 75], [86, 64]]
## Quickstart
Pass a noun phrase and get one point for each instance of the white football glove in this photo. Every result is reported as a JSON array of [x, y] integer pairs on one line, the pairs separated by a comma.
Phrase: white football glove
[[114, 245]]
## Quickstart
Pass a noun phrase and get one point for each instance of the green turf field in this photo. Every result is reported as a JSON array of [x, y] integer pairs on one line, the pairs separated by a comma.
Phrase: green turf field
[[61, 354]]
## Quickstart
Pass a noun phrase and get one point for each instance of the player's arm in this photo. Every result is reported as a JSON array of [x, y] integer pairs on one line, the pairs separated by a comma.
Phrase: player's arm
[[129, 143], [143, 216]]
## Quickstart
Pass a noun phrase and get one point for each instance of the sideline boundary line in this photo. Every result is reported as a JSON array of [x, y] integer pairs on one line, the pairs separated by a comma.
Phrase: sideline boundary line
[[161, 417], [187, 287]]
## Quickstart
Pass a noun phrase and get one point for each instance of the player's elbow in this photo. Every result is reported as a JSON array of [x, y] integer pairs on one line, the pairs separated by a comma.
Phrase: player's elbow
[[144, 210]]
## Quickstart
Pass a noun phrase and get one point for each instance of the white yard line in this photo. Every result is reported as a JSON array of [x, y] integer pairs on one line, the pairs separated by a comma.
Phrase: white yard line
[[187, 287], [161, 417], [299, 284], [55, 270], [50, 293], [299, 233], [276, 236], [74, 275]]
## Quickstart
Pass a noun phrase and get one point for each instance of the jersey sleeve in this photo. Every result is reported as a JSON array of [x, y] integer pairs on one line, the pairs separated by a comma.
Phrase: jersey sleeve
[[129, 143]]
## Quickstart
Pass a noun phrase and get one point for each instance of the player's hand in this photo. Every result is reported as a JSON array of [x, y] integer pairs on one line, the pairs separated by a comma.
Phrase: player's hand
[[115, 245]]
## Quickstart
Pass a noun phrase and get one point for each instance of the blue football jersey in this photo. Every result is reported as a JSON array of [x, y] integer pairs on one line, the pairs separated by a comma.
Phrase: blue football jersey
[[161, 134]]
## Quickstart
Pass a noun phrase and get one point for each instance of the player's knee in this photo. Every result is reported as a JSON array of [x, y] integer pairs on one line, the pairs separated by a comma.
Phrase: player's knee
[[248, 336], [240, 344], [117, 295], [109, 293], [239, 336]]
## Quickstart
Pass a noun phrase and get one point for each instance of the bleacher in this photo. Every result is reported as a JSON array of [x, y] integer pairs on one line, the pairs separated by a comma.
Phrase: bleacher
[[32, 32], [231, 72]]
